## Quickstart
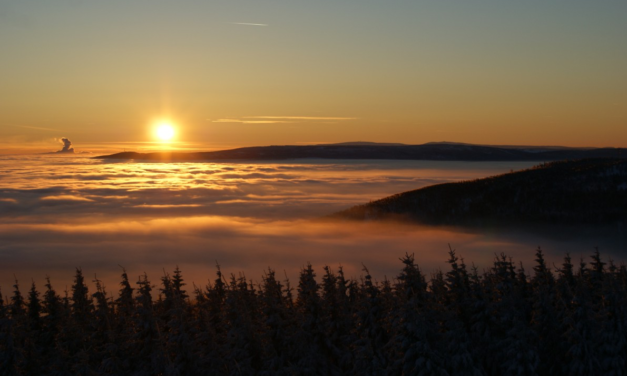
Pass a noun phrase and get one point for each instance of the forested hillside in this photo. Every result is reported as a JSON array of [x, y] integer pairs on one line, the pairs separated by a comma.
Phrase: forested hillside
[[569, 320], [433, 151], [589, 191]]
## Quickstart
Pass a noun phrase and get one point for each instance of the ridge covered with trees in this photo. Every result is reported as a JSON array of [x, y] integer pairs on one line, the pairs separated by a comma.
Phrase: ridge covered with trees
[[587, 191], [565, 320], [433, 151]]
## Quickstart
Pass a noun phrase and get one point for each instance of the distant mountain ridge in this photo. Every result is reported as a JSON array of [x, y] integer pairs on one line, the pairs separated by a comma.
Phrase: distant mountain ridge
[[592, 191], [363, 150]]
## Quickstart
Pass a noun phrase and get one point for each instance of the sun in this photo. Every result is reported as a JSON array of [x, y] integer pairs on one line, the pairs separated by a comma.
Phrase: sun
[[165, 131]]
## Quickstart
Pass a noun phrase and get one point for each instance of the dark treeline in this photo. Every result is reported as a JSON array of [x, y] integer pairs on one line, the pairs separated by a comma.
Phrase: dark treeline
[[562, 320], [571, 192]]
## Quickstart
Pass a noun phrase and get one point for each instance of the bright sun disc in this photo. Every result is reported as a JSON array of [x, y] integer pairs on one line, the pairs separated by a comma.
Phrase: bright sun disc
[[165, 131]]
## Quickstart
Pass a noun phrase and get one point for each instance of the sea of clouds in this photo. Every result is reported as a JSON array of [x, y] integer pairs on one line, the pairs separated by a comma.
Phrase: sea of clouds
[[62, 212]]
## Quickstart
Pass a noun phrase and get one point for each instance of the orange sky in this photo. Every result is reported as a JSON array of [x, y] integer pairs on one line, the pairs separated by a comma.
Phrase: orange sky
[[281, 72]]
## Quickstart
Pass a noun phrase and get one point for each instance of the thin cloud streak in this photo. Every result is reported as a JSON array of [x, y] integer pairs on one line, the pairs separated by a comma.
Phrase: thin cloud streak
[[249, 24], [280, 119], [65, 198], [248, 121], [301, 117]]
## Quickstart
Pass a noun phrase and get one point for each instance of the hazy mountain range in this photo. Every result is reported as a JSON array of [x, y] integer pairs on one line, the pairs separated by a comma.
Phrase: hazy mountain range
[[591, 191], [442, 151]]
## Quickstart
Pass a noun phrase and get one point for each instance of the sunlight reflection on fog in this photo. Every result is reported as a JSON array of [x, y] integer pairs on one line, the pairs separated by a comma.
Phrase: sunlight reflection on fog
[[59, 213]]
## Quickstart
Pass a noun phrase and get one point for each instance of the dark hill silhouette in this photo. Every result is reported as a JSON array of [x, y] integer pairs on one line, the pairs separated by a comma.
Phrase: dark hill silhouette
[[432, 151], [591, 191]]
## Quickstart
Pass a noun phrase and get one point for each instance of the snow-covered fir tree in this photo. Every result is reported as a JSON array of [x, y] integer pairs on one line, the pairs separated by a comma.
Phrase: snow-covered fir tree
[[562, 320]]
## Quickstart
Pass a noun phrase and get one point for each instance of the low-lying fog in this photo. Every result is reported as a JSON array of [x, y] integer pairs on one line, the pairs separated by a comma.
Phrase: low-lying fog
[[58, 213]]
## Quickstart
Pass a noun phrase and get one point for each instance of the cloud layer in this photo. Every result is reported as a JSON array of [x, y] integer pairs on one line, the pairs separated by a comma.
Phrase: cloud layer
[[57, 213]]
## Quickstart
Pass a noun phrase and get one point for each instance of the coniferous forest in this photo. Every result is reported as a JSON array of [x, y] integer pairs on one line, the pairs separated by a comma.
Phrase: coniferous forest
[[569, 192], [567, 319]]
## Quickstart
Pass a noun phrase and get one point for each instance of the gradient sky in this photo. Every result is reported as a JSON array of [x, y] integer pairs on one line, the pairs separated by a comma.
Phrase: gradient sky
[[238, 73]]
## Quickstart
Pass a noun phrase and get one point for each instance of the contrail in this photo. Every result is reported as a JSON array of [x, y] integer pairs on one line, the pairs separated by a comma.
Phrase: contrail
[[249, 24], [301, 117]]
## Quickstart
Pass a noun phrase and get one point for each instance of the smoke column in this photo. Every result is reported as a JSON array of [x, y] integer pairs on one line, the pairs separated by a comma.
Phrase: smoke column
[[66, 146]]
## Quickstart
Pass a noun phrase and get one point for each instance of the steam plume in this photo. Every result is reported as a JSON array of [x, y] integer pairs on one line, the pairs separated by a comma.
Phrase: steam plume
[[66, 146]]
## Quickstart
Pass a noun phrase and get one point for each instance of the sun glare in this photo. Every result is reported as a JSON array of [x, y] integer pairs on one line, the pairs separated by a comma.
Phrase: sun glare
[[165, 131]]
